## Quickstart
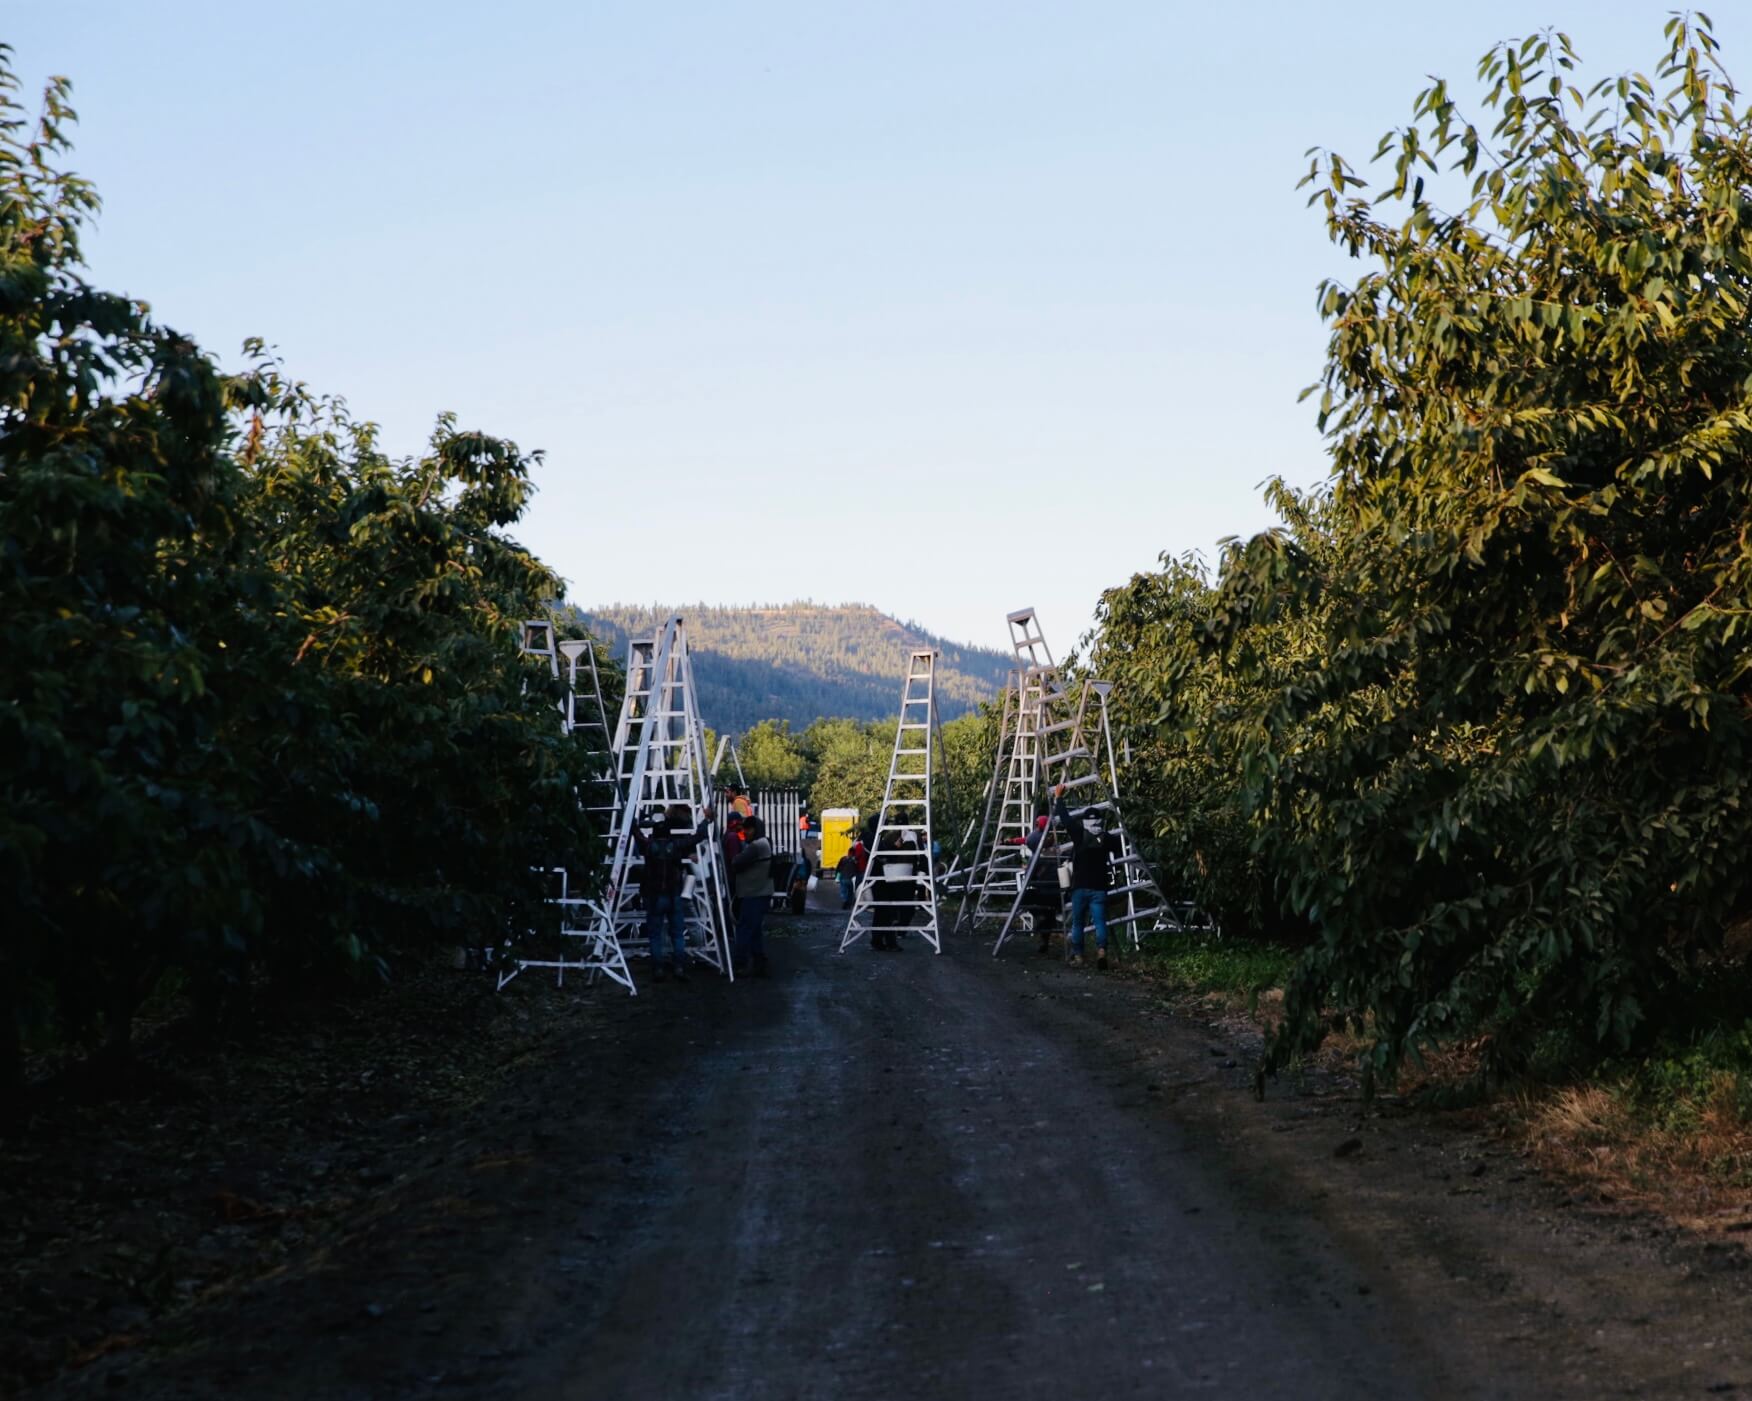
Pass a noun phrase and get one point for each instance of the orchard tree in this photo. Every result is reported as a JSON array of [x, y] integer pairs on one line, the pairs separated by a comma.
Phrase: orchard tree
[[1511, 787], [772, 757], [263, 710]]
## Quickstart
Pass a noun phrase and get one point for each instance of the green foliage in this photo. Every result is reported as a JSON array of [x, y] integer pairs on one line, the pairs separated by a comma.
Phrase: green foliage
[[1187, 712], [1481, 707], [849, 762], [1679, 1082], [801, 661], [263, 709], [1212, 963], [772, 757]]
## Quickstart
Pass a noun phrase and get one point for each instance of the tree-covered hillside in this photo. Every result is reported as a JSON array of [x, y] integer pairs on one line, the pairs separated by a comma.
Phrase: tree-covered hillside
[[802, 661]]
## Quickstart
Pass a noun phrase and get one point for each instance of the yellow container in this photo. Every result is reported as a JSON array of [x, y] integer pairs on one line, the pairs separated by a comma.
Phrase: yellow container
[[839, 827]]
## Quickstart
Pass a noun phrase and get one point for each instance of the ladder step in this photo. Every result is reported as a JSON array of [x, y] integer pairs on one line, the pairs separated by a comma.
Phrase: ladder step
[[1068, 755], [1084, 781], [1140, 916]]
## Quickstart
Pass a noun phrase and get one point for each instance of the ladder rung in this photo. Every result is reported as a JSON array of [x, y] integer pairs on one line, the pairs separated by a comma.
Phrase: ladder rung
[[1134, 919], [1083, 782]]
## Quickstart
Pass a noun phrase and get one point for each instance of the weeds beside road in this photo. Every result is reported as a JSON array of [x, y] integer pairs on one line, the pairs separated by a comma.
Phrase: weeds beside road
[[1669, 1132]]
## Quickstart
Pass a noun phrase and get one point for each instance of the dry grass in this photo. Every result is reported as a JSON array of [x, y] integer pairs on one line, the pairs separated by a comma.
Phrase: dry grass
[[1699, 1176], [1672, 1137]]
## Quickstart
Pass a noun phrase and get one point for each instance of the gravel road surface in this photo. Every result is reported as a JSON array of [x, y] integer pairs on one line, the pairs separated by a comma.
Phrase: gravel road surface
[[903, 1175]]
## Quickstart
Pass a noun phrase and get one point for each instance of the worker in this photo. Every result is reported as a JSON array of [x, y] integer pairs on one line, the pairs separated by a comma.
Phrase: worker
[[895, 890], [665, 852], [739, 803], [751, 876], [1093, 849], [848, 873]]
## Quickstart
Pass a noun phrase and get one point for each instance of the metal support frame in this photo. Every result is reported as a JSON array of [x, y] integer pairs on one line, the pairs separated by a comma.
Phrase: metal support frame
[[659, 759], [1084, 765], [1001, 866], [906, 807], [965, 880]]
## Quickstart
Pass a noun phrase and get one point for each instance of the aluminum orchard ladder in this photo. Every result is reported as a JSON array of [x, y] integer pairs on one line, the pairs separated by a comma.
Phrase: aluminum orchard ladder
[[1003, 863], [1082, 762], [905, 815], [967, 879], [658, 760], [585, 714], [661, 753]]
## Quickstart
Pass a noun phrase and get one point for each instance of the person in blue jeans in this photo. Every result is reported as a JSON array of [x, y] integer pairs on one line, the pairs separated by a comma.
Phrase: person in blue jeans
[[665, 852], [751, 876], [1093, 849]]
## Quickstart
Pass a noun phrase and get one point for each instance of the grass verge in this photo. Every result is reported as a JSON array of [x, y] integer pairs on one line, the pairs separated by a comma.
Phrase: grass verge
[[1238, 972], [1669, 1132]]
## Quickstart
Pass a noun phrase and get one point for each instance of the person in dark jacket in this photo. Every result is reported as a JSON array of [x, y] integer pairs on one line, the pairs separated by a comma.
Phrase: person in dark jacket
[[751, 878], [895, 870], [848, 873], [1092, 851], [665, 852]]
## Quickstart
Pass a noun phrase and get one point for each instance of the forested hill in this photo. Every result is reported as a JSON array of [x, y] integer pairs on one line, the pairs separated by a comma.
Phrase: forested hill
[[803, 661]]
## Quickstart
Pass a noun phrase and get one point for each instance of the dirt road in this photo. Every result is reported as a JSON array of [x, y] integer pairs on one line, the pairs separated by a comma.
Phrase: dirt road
[[916, 1176]]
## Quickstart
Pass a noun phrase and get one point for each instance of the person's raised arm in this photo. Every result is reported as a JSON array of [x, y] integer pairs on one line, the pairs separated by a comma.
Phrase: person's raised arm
[[1062, 812]]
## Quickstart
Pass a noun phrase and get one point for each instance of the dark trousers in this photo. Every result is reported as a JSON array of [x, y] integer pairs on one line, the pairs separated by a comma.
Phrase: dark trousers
[[666, 922], [751, 929]]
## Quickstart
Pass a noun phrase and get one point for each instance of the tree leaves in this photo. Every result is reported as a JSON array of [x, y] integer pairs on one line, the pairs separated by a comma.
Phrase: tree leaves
[[263, 710], [1478, 713]]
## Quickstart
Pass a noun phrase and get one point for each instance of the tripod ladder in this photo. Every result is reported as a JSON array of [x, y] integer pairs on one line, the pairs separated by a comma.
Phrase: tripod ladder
[[905, 814], [966, 880], [1084, 765]]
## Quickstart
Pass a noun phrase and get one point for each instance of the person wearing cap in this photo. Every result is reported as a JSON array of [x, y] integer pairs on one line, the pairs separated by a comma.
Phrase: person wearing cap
[[1093, 849], [661, 880]]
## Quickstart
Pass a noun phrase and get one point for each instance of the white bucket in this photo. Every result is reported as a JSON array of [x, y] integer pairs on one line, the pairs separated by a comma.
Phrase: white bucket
[[1065, 876], [898, 870], [689, 884]]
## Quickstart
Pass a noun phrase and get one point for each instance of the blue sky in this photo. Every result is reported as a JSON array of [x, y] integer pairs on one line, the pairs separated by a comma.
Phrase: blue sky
[[950, 307]]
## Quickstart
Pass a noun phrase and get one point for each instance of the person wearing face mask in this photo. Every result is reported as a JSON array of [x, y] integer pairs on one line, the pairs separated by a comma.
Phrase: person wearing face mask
[[1093, 850]]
